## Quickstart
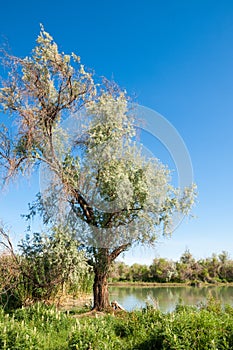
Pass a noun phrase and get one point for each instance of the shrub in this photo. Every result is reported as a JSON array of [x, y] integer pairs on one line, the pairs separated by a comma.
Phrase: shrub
[[45, 266], [50, 263]]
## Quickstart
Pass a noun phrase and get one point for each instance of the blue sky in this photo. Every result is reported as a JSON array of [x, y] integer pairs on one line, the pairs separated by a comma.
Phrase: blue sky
[[175, 57]]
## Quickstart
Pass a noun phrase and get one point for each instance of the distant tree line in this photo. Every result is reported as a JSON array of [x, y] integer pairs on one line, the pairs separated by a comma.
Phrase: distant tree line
[[215, 269]]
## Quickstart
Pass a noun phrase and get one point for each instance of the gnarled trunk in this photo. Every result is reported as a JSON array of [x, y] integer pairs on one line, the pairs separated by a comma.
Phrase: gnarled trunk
[[103, 260], [100, 291], [100, 286]]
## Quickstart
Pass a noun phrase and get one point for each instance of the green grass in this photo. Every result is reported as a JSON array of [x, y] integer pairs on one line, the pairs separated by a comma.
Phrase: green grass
[[36, 327], [43, 327]]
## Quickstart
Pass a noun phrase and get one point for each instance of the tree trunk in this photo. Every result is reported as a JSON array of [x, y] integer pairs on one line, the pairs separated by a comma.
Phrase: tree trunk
[[101, 265], [100, 290]]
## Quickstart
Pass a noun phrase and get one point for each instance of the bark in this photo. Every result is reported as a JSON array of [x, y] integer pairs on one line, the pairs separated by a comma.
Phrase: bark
[[103, 261], [100, 291]]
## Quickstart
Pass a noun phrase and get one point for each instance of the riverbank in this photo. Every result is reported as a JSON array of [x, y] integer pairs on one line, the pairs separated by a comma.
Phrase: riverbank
[[168, 284]]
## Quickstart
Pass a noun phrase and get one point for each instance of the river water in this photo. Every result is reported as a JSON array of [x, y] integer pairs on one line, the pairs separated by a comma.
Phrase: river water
[[167, 298]]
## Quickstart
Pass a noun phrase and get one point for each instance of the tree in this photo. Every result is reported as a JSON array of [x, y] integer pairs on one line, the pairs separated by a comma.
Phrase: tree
[[162, 270], [187, 268], [115, 196], [139, 272]]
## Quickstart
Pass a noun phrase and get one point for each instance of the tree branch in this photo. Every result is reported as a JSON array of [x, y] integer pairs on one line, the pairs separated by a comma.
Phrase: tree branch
[[118, 251], [86, 208]]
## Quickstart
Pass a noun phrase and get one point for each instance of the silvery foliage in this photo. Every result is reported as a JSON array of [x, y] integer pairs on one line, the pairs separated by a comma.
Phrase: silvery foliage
[[53, 259], [130, 194], [94, 176]]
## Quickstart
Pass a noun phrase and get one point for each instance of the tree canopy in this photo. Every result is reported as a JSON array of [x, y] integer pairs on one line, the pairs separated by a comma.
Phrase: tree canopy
[[114, 195]]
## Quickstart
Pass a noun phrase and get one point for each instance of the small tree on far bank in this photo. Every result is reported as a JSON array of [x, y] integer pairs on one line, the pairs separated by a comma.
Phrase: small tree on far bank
[[116, 197]]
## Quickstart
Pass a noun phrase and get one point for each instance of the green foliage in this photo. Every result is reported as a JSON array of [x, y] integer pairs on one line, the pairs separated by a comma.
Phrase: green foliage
[[188, 328], [42, 327], [52, 263], [37, 327], [218, 268], [46, 267]]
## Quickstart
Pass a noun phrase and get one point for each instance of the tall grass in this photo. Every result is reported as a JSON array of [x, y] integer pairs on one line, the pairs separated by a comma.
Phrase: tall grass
[[42, 327], [185, 328], [36, 327]]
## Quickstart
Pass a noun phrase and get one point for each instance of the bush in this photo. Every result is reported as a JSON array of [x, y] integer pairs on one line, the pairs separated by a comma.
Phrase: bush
[[45, 266], [51, 263]]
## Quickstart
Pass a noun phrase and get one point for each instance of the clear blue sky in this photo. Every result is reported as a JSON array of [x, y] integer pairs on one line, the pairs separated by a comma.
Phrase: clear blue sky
[[176, 57]]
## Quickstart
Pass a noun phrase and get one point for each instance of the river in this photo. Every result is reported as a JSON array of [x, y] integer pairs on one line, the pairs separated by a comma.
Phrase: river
[[167, 298]]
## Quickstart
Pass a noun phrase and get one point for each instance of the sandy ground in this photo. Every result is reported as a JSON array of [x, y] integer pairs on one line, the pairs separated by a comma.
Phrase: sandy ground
[[69, 302]]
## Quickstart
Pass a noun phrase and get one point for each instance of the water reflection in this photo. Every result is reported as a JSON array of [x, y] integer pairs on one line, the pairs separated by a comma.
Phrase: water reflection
[[132, 298]]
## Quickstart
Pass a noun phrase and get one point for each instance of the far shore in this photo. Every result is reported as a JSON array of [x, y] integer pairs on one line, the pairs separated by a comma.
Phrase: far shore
[[168, 284]]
